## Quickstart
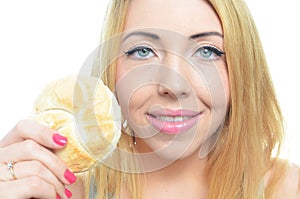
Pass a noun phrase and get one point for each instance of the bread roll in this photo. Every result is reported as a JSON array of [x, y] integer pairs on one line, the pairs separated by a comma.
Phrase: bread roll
[[85, 111]]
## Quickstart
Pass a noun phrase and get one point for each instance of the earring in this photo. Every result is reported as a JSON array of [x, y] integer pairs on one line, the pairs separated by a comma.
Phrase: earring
[[133, 138], [126, 129], [124, 124]]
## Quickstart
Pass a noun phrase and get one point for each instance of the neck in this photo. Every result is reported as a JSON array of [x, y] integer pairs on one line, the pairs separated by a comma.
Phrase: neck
[[183, 178]]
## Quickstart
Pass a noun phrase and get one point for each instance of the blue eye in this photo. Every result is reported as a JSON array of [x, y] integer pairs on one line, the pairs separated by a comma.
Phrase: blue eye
[[209, 53], [140, 52]]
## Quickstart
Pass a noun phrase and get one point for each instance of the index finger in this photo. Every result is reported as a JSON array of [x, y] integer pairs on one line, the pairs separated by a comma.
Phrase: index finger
[[29, 129]]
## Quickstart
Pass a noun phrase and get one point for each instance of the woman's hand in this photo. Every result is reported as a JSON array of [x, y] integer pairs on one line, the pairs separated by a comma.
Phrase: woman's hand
[[35, 171]]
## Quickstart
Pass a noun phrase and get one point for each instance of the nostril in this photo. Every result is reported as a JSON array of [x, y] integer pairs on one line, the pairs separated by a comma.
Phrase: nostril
[[173, 83], [178, 92]]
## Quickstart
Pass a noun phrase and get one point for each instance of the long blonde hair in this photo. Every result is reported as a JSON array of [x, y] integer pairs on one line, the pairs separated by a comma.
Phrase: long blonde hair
[[254, 126]]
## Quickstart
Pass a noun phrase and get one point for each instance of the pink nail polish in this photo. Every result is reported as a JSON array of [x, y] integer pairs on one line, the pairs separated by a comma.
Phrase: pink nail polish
[[59, 139], [70, 176], [58, 197], [68, 193]]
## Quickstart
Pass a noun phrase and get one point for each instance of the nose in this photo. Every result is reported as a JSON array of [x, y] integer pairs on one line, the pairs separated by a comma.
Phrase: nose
[[173, 79]]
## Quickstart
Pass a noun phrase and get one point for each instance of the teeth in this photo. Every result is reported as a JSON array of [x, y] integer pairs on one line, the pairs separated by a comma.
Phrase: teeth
[[173, 118]]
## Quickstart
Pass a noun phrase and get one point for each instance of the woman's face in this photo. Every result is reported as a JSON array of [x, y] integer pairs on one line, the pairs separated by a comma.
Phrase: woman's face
[[171, 80]]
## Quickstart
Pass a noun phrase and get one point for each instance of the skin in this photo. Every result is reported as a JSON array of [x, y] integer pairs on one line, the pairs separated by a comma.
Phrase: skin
[[186, 176], [40, 174], [174, 84]]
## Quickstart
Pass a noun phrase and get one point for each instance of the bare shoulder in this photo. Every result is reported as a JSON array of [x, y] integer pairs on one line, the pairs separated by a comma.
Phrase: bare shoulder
[[289, 184]]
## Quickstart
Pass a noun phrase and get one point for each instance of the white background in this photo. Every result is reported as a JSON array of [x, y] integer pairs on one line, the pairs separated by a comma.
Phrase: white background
[[42, 40]]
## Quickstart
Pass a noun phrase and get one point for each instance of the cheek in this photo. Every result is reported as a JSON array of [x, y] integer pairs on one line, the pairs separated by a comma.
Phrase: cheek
[[133, 108], [211, 85], [132, 96], [120, 71], [225, 84]]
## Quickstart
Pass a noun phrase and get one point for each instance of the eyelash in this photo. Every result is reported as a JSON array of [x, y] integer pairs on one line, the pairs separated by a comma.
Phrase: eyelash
[[136, 49], [211, 49], [214, 50], [208, 48]]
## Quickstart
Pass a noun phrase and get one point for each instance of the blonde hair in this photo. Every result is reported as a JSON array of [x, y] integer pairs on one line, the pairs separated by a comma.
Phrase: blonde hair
[[254, 126], [109, 181]]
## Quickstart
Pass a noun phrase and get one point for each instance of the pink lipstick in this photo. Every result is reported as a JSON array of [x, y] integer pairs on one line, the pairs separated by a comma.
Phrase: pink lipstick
[[173, 122]]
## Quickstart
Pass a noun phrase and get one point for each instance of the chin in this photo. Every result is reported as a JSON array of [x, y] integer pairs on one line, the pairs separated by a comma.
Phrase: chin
[[158, 158], [174, 149]]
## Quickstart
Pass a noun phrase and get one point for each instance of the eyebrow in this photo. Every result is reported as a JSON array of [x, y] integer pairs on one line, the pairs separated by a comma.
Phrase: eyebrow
[[206, 34], [156, 37], [140, 33]]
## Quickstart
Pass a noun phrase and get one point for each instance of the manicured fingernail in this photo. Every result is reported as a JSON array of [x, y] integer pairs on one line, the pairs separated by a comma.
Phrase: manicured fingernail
[[68, 193], [58, 197], [70, 176], [59, 139]]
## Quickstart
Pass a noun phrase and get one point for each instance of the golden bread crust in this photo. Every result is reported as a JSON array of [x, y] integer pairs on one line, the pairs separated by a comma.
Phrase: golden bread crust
[[85, 111]]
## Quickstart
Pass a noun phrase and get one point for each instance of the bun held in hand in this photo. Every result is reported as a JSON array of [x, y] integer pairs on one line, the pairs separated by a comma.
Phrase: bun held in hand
[[85, 111]]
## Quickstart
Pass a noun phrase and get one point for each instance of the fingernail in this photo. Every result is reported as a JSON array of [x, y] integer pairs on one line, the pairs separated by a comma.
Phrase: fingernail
[[59, 139], [68, 193], [58, 197], [70, 176]]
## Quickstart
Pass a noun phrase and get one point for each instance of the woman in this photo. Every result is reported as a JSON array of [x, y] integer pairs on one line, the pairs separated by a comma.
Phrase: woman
[[201, 118]]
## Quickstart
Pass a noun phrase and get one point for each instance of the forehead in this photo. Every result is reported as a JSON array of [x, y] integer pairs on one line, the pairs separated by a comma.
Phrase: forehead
[[187, 17]]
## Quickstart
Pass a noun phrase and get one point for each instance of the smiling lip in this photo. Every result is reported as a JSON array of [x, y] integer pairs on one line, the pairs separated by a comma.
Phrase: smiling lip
[[173, 122]]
